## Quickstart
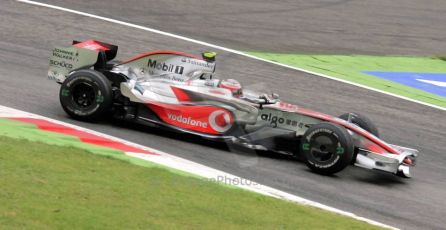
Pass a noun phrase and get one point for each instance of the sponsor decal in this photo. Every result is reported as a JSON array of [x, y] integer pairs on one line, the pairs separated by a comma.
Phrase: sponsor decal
[[309, 136], [205, 119], [211, 83], [220, 121], [274, 121], [62, 64], [284, 105], [65, 92], [324, 166], [154, 64], [187, 120], [100, 99], [92, 45], [64, 54], [214, 91], [197, 63], [339, 149], [169, 77]]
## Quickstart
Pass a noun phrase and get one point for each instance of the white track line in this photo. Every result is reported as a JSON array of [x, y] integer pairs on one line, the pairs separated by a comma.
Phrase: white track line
[[224, 49], [181, 164], [171, 161]]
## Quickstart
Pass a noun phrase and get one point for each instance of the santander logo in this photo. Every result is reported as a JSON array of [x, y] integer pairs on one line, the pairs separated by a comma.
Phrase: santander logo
[[220, 121]]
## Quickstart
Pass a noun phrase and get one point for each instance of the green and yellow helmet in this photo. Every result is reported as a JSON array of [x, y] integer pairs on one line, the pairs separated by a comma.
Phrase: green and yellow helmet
[[209, 56]]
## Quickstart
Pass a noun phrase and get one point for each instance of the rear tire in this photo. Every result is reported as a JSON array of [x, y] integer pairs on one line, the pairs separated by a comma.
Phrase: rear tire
[[86, 95], [361, 121], [327, 148]]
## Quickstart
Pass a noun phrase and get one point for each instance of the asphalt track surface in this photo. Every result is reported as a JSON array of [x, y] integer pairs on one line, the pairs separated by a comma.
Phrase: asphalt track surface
[[28, 33]]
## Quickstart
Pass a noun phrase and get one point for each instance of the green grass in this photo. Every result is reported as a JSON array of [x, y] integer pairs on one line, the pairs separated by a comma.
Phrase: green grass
[[52, 187], [350, 67]]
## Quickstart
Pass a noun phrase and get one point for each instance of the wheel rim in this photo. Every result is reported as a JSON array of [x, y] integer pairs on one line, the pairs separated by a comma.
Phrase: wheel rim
[[323, 148], [84, 95]]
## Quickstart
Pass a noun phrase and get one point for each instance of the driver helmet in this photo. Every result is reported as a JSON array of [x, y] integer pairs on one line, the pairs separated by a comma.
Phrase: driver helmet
[[233, 85]]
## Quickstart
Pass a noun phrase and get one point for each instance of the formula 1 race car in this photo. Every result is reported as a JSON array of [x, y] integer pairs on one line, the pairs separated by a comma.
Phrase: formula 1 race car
[[177, 91]]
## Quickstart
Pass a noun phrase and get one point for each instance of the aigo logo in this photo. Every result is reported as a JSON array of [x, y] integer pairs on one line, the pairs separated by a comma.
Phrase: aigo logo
[[220, 120]]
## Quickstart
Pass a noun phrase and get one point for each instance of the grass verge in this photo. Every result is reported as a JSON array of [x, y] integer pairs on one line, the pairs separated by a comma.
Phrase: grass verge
[[52, 187], [350, 67]]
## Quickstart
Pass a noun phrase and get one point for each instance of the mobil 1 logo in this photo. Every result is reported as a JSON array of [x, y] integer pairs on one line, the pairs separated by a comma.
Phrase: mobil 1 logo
[[154, 64]]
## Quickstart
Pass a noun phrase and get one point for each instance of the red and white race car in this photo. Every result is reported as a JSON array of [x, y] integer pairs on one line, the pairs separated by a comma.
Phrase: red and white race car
[[177, 91]]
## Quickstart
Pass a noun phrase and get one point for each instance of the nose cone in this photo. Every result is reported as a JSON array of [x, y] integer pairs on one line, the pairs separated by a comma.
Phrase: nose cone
[[404, 171], [408, 161]]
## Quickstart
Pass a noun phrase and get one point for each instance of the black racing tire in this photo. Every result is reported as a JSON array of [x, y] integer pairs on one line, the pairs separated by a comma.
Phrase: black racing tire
[[327, 148], [362, 121], [86, 95]]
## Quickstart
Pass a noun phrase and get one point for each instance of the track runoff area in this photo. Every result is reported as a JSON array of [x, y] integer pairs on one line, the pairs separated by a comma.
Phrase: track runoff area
[[430, 78], [22, 127]]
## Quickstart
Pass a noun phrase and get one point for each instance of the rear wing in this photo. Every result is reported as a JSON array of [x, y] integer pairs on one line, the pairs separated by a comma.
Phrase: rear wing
[[109, 50], [81, 55]]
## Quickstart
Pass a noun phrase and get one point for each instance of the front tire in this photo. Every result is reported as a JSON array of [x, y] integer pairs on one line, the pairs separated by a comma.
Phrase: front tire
[[86, 95], [327, 148], [361, 121]]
